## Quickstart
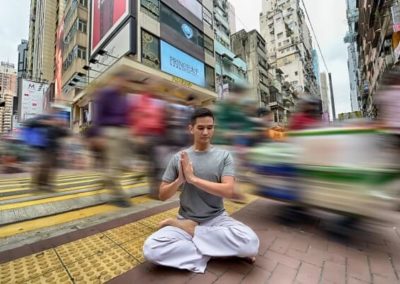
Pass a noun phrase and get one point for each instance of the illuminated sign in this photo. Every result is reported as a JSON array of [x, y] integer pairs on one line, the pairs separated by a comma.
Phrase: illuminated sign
[[182, 65]]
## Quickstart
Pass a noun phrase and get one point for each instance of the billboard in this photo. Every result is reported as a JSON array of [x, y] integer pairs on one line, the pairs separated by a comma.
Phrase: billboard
[[117, 47], [180, 64], [59, 59], [31, 99], [106, 16]]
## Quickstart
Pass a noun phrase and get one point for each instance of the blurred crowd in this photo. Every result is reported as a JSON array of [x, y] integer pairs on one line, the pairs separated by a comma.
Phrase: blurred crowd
[[140, 131]]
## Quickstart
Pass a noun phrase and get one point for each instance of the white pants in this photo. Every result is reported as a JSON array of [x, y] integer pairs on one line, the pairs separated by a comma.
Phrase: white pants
[[220, 237]]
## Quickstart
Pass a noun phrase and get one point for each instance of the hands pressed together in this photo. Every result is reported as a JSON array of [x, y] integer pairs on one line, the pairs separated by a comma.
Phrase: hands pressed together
[[186, 173]]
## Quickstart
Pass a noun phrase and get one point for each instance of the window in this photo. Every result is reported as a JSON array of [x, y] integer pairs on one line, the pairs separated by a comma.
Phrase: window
[[210, 77], [296, 73], [150, 50], [181, 26], [151, 8], [82, 26], [81, 52], [280, 35], [83, 3], [209, 45], [207, 16]]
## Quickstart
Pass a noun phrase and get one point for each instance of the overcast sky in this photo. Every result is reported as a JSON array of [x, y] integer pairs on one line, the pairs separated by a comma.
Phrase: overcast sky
[[328, 18]]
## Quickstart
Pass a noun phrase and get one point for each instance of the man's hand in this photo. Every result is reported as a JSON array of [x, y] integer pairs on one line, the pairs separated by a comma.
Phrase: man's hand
[[187, 167], [181, 177]]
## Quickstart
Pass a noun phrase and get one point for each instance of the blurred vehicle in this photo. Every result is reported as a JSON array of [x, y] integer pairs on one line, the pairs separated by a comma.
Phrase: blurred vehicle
[[344, 170]]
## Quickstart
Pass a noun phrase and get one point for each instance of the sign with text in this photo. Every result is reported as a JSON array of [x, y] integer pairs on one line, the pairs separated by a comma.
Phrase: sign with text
[[182, 65], [31, 100]]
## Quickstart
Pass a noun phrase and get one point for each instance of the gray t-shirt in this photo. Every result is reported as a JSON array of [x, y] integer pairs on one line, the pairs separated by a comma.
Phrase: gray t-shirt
[[211, 165]]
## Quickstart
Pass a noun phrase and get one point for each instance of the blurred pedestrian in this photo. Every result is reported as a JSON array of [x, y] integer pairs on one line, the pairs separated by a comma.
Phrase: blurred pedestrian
[[111, 121], [44, 135], [308, 116]]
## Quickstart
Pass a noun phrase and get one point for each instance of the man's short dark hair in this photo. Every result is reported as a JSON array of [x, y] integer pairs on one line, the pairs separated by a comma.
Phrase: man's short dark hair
[[201, 112]]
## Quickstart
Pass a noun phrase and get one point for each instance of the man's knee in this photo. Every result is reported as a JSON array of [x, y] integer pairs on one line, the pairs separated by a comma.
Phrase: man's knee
[[150, 250], [248, 240]]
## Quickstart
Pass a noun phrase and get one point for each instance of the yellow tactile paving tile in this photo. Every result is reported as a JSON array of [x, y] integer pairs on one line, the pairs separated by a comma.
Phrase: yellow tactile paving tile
[[135, 248], [28, 267], [94, 259], [128, 232], [83, 248], [59, 276], [101, 267]]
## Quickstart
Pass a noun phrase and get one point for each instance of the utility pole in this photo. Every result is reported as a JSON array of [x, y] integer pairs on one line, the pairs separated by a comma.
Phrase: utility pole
[[332, 97]]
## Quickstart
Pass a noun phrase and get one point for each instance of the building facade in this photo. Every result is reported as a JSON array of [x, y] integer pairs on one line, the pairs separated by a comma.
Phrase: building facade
[[377, 47], [167, 46], [22, 69], [352, 61], [42, 30], [325, 97], [74, 36], [8, 89], [289, 44], [230, 69]]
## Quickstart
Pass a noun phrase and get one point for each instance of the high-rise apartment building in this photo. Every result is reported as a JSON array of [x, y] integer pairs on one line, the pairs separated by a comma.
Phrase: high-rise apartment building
[[22, 59], [230, 69], [325, 97], [250, 46], [74, 39], [42, 31], [352, 61], [8, 89], [289, 44]]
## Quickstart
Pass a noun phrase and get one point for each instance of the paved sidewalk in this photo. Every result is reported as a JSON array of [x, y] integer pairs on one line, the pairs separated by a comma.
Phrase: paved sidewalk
[[299, 253]]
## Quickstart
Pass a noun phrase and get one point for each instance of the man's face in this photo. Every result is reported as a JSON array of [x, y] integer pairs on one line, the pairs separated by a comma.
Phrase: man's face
[[203, 129]]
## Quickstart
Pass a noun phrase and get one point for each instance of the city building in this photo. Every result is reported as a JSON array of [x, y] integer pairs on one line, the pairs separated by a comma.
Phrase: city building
[[315, 63], [232, 18], [289, 44], [326, 114], [230, 69], [8, 89], [22, 68], [167, 46], [352, 61], [378, 37], [73, 38], [42, 31]]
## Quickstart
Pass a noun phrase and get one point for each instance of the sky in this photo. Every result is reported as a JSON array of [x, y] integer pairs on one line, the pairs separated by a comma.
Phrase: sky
[[328, 18]]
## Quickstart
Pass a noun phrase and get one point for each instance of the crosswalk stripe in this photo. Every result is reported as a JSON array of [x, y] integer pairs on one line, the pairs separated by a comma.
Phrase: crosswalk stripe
[[62, 198]]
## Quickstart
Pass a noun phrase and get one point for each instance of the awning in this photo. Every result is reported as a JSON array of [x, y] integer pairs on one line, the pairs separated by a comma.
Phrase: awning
[[147, 79]]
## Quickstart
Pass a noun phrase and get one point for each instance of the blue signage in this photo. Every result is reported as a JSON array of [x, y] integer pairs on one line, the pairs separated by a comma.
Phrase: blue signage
[[180, 64], [187, 31]]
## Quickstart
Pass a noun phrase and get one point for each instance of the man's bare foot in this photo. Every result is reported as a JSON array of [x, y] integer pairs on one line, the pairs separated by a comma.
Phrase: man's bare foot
[[250, 260], [187, 225]]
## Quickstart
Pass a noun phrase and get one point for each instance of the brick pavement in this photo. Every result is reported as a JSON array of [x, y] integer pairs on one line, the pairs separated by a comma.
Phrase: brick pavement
[[297, 253]]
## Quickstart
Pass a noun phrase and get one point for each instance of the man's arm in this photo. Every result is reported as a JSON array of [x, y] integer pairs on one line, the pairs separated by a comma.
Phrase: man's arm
[[224, 189], [167, 190], [173, 172]]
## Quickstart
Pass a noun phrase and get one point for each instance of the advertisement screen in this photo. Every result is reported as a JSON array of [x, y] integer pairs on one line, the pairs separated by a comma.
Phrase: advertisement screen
[[31, 102], [59, 59], [180, 64], [106, 16]]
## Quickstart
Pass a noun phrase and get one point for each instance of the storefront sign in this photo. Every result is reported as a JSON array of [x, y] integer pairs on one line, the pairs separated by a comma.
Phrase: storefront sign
[[182, 65], [181, 81]]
